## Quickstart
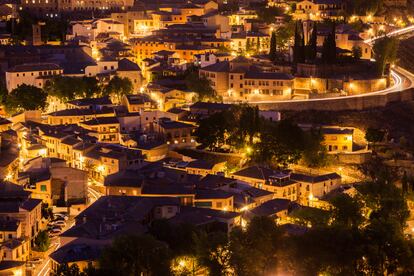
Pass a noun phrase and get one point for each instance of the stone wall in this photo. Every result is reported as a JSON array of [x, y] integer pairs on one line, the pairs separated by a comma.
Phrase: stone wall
[[355, 103]]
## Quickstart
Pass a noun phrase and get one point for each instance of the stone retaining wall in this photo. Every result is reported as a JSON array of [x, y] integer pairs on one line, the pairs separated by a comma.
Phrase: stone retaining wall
[[357, 103]]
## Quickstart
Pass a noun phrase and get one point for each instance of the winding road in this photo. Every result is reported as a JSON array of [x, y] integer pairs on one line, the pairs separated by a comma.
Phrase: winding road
[[402, 79]]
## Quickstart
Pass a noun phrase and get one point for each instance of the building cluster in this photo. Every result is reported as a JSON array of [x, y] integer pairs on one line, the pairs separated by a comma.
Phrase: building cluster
[[20, 222], [117, 163], [118, 168], [150, 43]]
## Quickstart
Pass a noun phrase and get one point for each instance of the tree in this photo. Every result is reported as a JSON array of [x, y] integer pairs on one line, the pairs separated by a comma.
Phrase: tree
[[248, 45], [185, 266], [212, 251], [273, 47], [3, 93], [385, 52], [21, 29], [356, 52], [255, 250], [26, 97], [268, 14], [344, 242], [280, 144], [258, 45], [135, 255], [298, 47], [386, 249], [91, 87], [55, 30], [214, 131], [375, 170], [311, 217], [47, 211], [346, 211], [326, 250], [404, 183], [119, 87], [249, 123], [200, 85], [68, 270], [70, 88], [312, 45], [373, 135], [284, 34], [315, 154], [178, 237], [302, 44], [329, 47], [42, 241]]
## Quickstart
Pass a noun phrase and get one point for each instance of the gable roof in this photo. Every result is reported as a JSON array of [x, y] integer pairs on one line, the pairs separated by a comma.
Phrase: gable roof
[[271, 207], [256, 172], [127, 65], [300, 177], [223, 66], [91, 101], [78, 251], [31, 67], [101, 121]]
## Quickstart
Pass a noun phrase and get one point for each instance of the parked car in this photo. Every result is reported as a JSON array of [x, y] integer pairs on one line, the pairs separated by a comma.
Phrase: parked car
[[36, 261], [56, 227], [61, 216], [55, 222], [59, 222], [54, 232]]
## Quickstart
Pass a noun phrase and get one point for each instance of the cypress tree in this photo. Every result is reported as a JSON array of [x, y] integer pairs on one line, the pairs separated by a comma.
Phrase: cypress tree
[[298, 54], [258, 45], [332, 44], [312, 45], [302, 44], [325, 50], [329, 47], [248, 46], [273, 50]]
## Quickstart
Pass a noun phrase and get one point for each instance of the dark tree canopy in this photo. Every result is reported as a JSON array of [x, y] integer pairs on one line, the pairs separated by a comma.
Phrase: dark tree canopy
[[362, 234], [385, 52], [280, 144], [235, 128], [42, 241], [268, 14], [298, 46], [356, 52], [315, 154], [70, 88], [119, 87], [255, 250], [311, 48], [329, 47], [374, 135], [26, 97], [68, 270], [133, 255], [273, 47], [200, 85]]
